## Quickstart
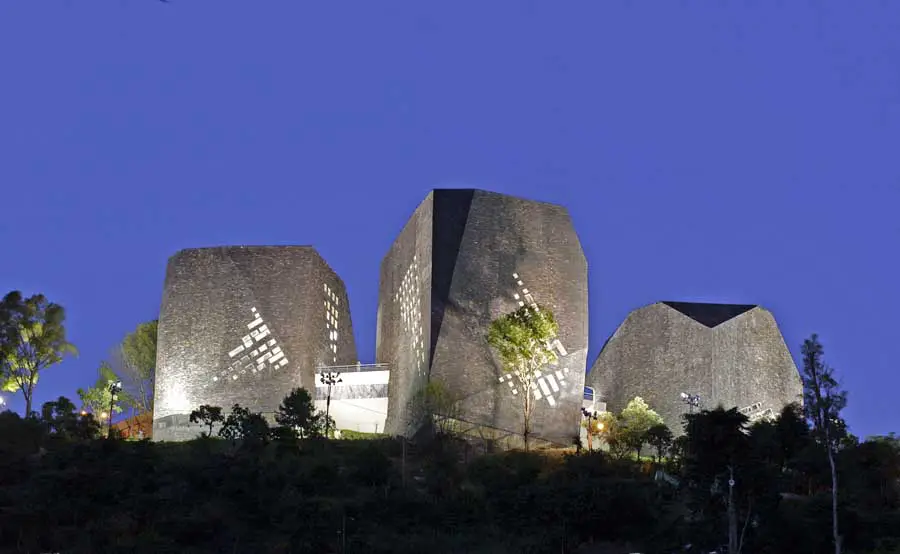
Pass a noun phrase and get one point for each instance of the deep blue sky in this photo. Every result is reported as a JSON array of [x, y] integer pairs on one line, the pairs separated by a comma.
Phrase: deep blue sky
[[708, 153]]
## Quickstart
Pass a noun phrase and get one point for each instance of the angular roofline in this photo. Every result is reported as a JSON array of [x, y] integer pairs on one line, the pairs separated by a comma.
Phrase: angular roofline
[[226, 247]]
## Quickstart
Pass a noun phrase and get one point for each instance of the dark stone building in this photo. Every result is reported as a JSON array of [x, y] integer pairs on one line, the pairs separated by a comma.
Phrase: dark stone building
[[245, 324], [733, 355], [464, 258]]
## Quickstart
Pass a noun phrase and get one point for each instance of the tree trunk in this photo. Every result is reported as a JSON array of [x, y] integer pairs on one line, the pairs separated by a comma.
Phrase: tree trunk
[[527, 430], [28, 391], [732, 515], [834, 496], [527, 407]]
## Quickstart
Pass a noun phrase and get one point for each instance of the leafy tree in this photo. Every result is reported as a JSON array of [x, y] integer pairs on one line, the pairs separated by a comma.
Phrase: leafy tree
[[135, 364], [873, 472], [823, 401], [522, 338], [660, 437], [61, 420], [635, 420], [609, 430], [717, 451], [249, 427], [32, 338], [297, 413], [99, 399], [209, 416], [440, 406]]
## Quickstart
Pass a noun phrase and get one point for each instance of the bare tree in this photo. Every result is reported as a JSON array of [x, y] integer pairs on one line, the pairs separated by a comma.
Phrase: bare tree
[[823, 401]]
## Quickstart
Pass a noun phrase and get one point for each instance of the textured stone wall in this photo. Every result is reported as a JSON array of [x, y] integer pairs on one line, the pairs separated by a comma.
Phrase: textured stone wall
[[658, 352], [403, 320], [488, 253], [245, 325]]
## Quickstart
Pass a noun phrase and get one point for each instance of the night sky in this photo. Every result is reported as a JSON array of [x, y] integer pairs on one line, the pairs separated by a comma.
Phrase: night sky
[[707, 153]]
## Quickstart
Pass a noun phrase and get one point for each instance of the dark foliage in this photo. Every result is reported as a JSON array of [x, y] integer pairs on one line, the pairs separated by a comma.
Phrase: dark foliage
[[263, 490]]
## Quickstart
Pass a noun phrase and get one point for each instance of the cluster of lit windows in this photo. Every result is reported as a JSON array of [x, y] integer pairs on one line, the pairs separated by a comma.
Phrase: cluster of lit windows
[[260, 351], [410, 299], [545, 384], [331, 319]]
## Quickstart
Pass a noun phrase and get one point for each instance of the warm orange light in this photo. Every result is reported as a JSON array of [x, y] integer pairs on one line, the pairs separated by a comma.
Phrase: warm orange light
[[83, 412], [599, 426], [103, 415]]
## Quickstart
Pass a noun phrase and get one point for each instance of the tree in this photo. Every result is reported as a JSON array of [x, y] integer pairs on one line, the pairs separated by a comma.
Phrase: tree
[[660, 437], [135, 364], [32, 339], [99, 399], [522, 338], [609, 429], [242, 424], [635, 420], [60, 419], [440, 406], [297, 413], [717, 446], [823, 401], [209, 416]]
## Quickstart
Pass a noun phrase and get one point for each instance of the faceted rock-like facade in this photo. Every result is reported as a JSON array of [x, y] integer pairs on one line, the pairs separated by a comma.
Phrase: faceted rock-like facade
[[464, 258], [733, 355], [245, 325]]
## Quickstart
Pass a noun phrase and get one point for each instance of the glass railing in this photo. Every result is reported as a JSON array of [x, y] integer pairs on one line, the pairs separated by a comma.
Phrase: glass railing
[[352, 368]]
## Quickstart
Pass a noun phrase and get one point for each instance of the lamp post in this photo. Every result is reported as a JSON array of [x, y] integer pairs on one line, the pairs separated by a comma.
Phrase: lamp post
[[329, 378], [115, 387], [593, 425], [692, 400]]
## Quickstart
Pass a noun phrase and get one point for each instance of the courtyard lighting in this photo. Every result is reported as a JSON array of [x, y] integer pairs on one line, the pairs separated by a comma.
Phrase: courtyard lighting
[[692, 400], [329, 378], [115, 387]]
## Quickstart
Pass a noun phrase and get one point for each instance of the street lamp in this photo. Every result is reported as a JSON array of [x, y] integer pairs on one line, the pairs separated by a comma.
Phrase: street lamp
[[329, 378], [593, 423], [692, 400], [115, 387]]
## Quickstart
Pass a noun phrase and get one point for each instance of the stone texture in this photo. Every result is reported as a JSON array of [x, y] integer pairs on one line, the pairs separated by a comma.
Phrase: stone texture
[[449, 274], [733, 355], [207, 314]]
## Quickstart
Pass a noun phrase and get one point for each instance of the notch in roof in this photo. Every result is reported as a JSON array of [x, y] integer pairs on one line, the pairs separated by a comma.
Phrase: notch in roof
[[710, 315]]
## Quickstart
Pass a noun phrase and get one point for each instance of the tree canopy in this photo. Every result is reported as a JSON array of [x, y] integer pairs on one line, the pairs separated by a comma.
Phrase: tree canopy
[[32, 339], [134, 362], [522, 340]]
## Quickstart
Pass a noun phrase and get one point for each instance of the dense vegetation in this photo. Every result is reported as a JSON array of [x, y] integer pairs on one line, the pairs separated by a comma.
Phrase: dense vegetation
[[798, 483], [62, 489]]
